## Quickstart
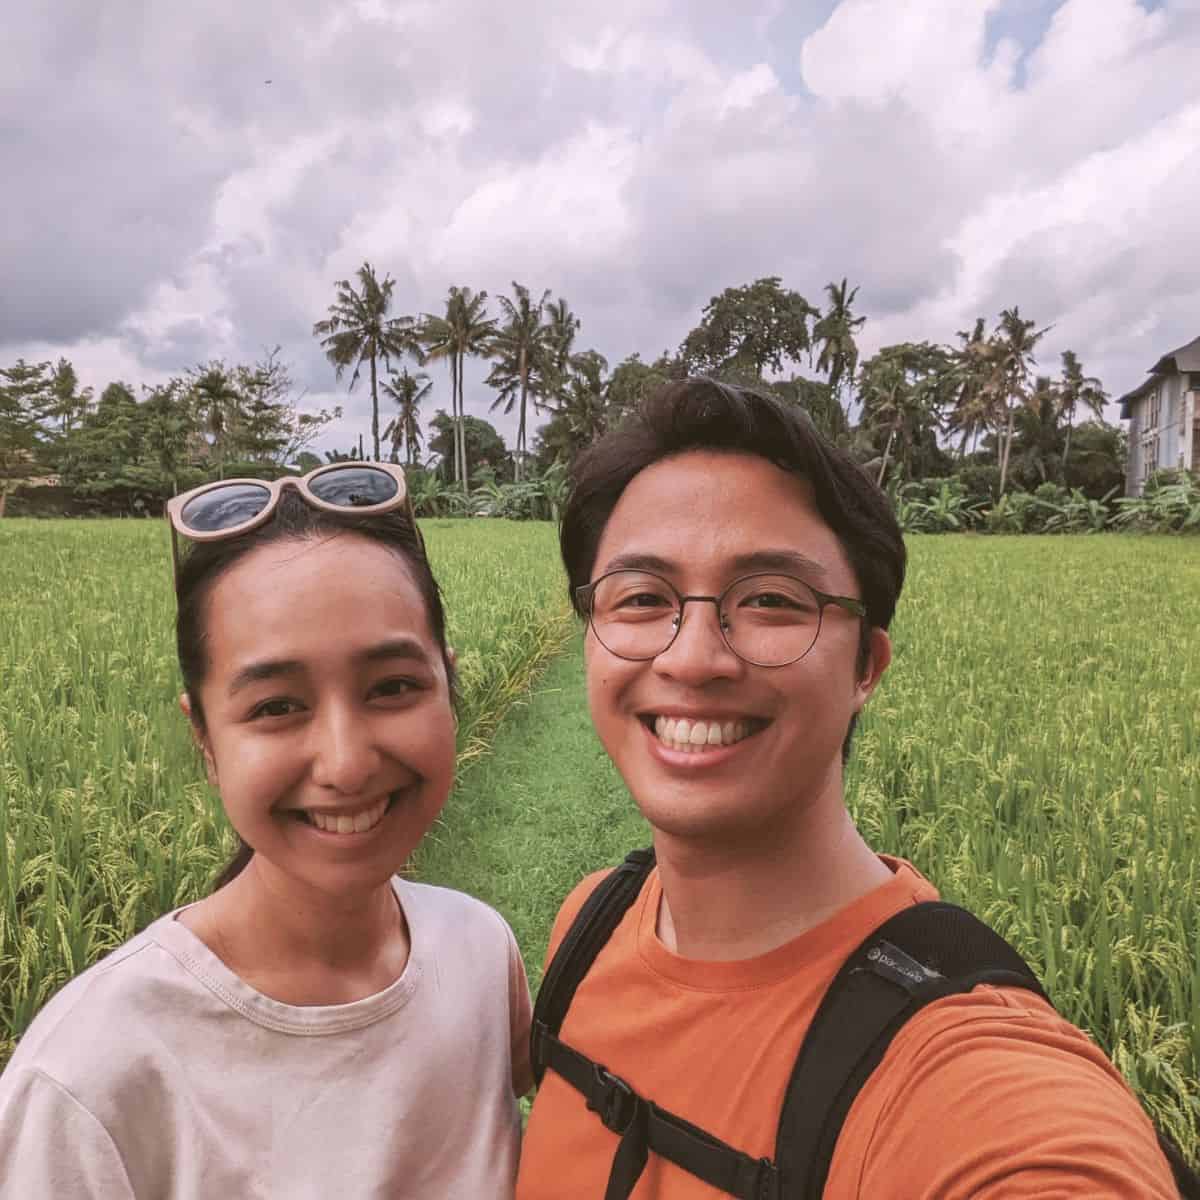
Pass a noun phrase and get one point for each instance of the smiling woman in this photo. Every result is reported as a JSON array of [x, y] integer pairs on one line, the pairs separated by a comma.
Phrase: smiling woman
[[319, 688]]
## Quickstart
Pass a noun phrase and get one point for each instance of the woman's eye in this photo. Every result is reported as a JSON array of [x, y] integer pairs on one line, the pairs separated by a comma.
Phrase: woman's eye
[[275, 708], [389, 688]]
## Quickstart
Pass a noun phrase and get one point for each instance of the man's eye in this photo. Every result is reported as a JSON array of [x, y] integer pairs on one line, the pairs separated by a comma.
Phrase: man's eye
[[275, 708], [643, 600]]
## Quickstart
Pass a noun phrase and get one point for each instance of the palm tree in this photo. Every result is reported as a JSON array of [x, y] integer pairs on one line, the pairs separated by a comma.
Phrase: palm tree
[[973, 370], [406, 391], [835, 331], [1036, 437], [522, 347], [1077, 389], [562, 327], [1015, 340], [218, 404], [358, 329], [465, 329]]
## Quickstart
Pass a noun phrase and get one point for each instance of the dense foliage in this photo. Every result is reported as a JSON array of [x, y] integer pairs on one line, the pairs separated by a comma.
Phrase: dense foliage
[[964, 435]]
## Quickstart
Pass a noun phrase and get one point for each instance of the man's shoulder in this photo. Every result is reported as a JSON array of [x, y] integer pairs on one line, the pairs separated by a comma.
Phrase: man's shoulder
[[570, 907], [996, 1080]]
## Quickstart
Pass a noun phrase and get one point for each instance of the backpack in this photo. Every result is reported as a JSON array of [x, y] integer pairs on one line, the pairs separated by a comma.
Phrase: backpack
[[921, 954]]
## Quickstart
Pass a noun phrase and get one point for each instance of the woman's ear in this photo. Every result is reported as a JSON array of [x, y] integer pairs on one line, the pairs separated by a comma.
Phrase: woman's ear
[[199, 737]]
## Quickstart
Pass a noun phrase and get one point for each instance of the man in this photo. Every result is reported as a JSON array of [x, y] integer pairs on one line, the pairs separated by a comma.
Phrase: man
[[739, 574]]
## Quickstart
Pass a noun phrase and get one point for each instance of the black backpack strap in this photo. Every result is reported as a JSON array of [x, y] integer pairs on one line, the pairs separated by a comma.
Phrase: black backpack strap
[[924, 952], [642, 1126], [639, 1123], [593, 926]]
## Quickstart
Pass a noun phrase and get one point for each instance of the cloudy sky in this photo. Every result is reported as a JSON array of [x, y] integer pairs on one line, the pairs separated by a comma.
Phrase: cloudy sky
[[164, 204]]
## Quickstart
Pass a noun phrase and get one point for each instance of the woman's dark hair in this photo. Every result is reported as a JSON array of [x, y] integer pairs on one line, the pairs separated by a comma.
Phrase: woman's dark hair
[[704, 414], [293, 520]]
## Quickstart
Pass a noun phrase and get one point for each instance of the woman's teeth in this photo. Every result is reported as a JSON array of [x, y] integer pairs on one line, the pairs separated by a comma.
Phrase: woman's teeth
[[693, 736], [361, 822]]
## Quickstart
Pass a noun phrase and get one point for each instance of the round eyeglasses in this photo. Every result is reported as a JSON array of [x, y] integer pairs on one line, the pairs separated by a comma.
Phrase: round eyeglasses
[[767, 620]]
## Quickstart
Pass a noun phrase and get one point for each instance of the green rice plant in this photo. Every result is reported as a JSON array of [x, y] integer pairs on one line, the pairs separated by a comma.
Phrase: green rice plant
[[105, 821]]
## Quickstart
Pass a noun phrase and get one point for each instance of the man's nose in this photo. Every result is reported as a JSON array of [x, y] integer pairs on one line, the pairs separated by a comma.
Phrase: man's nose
[[699, 651]]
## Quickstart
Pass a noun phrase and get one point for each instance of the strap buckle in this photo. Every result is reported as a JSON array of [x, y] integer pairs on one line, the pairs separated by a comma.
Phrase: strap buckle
[[612, 1100]]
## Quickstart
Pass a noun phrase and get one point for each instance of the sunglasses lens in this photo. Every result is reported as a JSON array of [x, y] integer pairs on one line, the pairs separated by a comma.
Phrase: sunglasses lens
[[354, 487], [225, 507]]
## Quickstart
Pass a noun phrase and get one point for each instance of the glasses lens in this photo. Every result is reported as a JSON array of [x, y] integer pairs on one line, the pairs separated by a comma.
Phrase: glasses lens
[[634, 614], [771, 620], [225, 507], [354, 487]]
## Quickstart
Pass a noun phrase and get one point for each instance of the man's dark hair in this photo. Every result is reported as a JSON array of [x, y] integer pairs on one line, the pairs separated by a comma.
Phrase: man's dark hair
[[704, 414]]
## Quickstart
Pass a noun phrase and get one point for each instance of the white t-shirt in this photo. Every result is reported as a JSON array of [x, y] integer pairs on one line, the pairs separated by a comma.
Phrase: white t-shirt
[[158, 1074]]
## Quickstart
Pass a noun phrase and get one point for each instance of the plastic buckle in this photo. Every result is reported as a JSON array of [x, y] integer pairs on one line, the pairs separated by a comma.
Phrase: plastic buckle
[[612, 1099]]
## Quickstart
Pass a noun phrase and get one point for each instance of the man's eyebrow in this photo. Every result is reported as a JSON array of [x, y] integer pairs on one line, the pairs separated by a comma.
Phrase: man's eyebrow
[[791, 562], [259, 672]]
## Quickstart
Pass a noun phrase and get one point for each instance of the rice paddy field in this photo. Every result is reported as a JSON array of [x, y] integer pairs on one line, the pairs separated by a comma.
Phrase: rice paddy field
[[1035, 750]]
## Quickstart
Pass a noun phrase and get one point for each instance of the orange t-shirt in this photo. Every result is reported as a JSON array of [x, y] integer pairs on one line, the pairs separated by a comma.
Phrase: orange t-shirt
[[989, 1094]]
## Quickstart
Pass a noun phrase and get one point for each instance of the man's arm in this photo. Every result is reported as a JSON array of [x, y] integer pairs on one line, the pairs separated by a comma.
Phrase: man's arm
[[993, 1096]]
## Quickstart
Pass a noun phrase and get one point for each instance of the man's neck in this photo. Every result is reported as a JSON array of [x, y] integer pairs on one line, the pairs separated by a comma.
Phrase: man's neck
[[729, 902]]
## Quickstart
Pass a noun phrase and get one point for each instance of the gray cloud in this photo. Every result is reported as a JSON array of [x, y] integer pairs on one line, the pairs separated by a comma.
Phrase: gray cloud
[[172, 206]]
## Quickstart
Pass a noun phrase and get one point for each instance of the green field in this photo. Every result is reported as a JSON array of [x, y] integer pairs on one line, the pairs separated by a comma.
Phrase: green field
[[1034, 750]]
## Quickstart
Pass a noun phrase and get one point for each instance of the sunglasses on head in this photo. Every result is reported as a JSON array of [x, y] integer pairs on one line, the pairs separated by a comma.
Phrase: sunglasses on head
[[231, 507]]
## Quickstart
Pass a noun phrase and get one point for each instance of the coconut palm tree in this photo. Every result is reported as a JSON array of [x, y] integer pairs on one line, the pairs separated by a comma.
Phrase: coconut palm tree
[[973, 371], [466, 329], [1015, 340], [406, 391], [522, 347], [218, 404], [562, 328], [834, 331], [1077, 389], [358, 329]]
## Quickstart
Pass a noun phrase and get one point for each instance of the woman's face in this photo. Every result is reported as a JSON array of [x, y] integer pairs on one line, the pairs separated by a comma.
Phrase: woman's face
[[329, 729]]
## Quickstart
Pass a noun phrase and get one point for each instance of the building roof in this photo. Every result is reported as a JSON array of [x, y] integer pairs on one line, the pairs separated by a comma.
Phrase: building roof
[[1186, 358]]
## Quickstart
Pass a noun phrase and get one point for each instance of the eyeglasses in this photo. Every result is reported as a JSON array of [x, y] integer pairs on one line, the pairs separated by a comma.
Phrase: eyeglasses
[[766, 620], [231, 507]]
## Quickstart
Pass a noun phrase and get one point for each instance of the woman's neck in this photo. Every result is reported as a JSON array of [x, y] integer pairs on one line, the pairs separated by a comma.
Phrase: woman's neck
[[301, 946]]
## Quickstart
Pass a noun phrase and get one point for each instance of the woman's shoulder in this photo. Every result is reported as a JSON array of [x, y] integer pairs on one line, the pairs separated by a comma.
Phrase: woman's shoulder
[[96, 1030], [442, 919]]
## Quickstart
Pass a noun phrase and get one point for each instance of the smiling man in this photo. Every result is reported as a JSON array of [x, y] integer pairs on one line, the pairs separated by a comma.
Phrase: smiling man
[[738, 575]]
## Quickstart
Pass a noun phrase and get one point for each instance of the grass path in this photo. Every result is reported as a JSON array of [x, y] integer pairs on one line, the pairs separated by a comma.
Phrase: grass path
[[542, 809]]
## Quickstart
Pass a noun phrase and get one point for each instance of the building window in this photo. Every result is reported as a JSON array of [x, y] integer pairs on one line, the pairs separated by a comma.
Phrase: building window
[[1153, 403]]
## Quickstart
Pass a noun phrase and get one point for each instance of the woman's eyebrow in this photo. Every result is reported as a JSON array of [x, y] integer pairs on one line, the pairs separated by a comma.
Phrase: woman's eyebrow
[[399, 647], [257, 672]]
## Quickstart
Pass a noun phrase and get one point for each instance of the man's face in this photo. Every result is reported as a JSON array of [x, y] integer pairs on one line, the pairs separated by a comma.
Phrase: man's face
[[702, 517]]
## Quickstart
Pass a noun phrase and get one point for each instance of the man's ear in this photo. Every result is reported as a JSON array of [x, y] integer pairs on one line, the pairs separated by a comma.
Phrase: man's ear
[[452, 655], [199, 737], [879, 656]]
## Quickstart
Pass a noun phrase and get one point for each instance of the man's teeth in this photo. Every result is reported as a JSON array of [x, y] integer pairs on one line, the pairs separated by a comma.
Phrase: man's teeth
[[692, 736], [359, 823]]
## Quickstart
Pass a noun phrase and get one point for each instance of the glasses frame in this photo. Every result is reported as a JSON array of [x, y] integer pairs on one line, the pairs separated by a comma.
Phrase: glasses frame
[[276, 487], [585, 595]]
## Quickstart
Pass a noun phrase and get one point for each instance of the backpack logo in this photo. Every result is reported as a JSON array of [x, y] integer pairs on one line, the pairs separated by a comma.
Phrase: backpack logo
[[893, 964]]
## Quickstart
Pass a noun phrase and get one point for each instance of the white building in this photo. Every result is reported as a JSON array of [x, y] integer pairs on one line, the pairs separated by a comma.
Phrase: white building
[[1164, 418]]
